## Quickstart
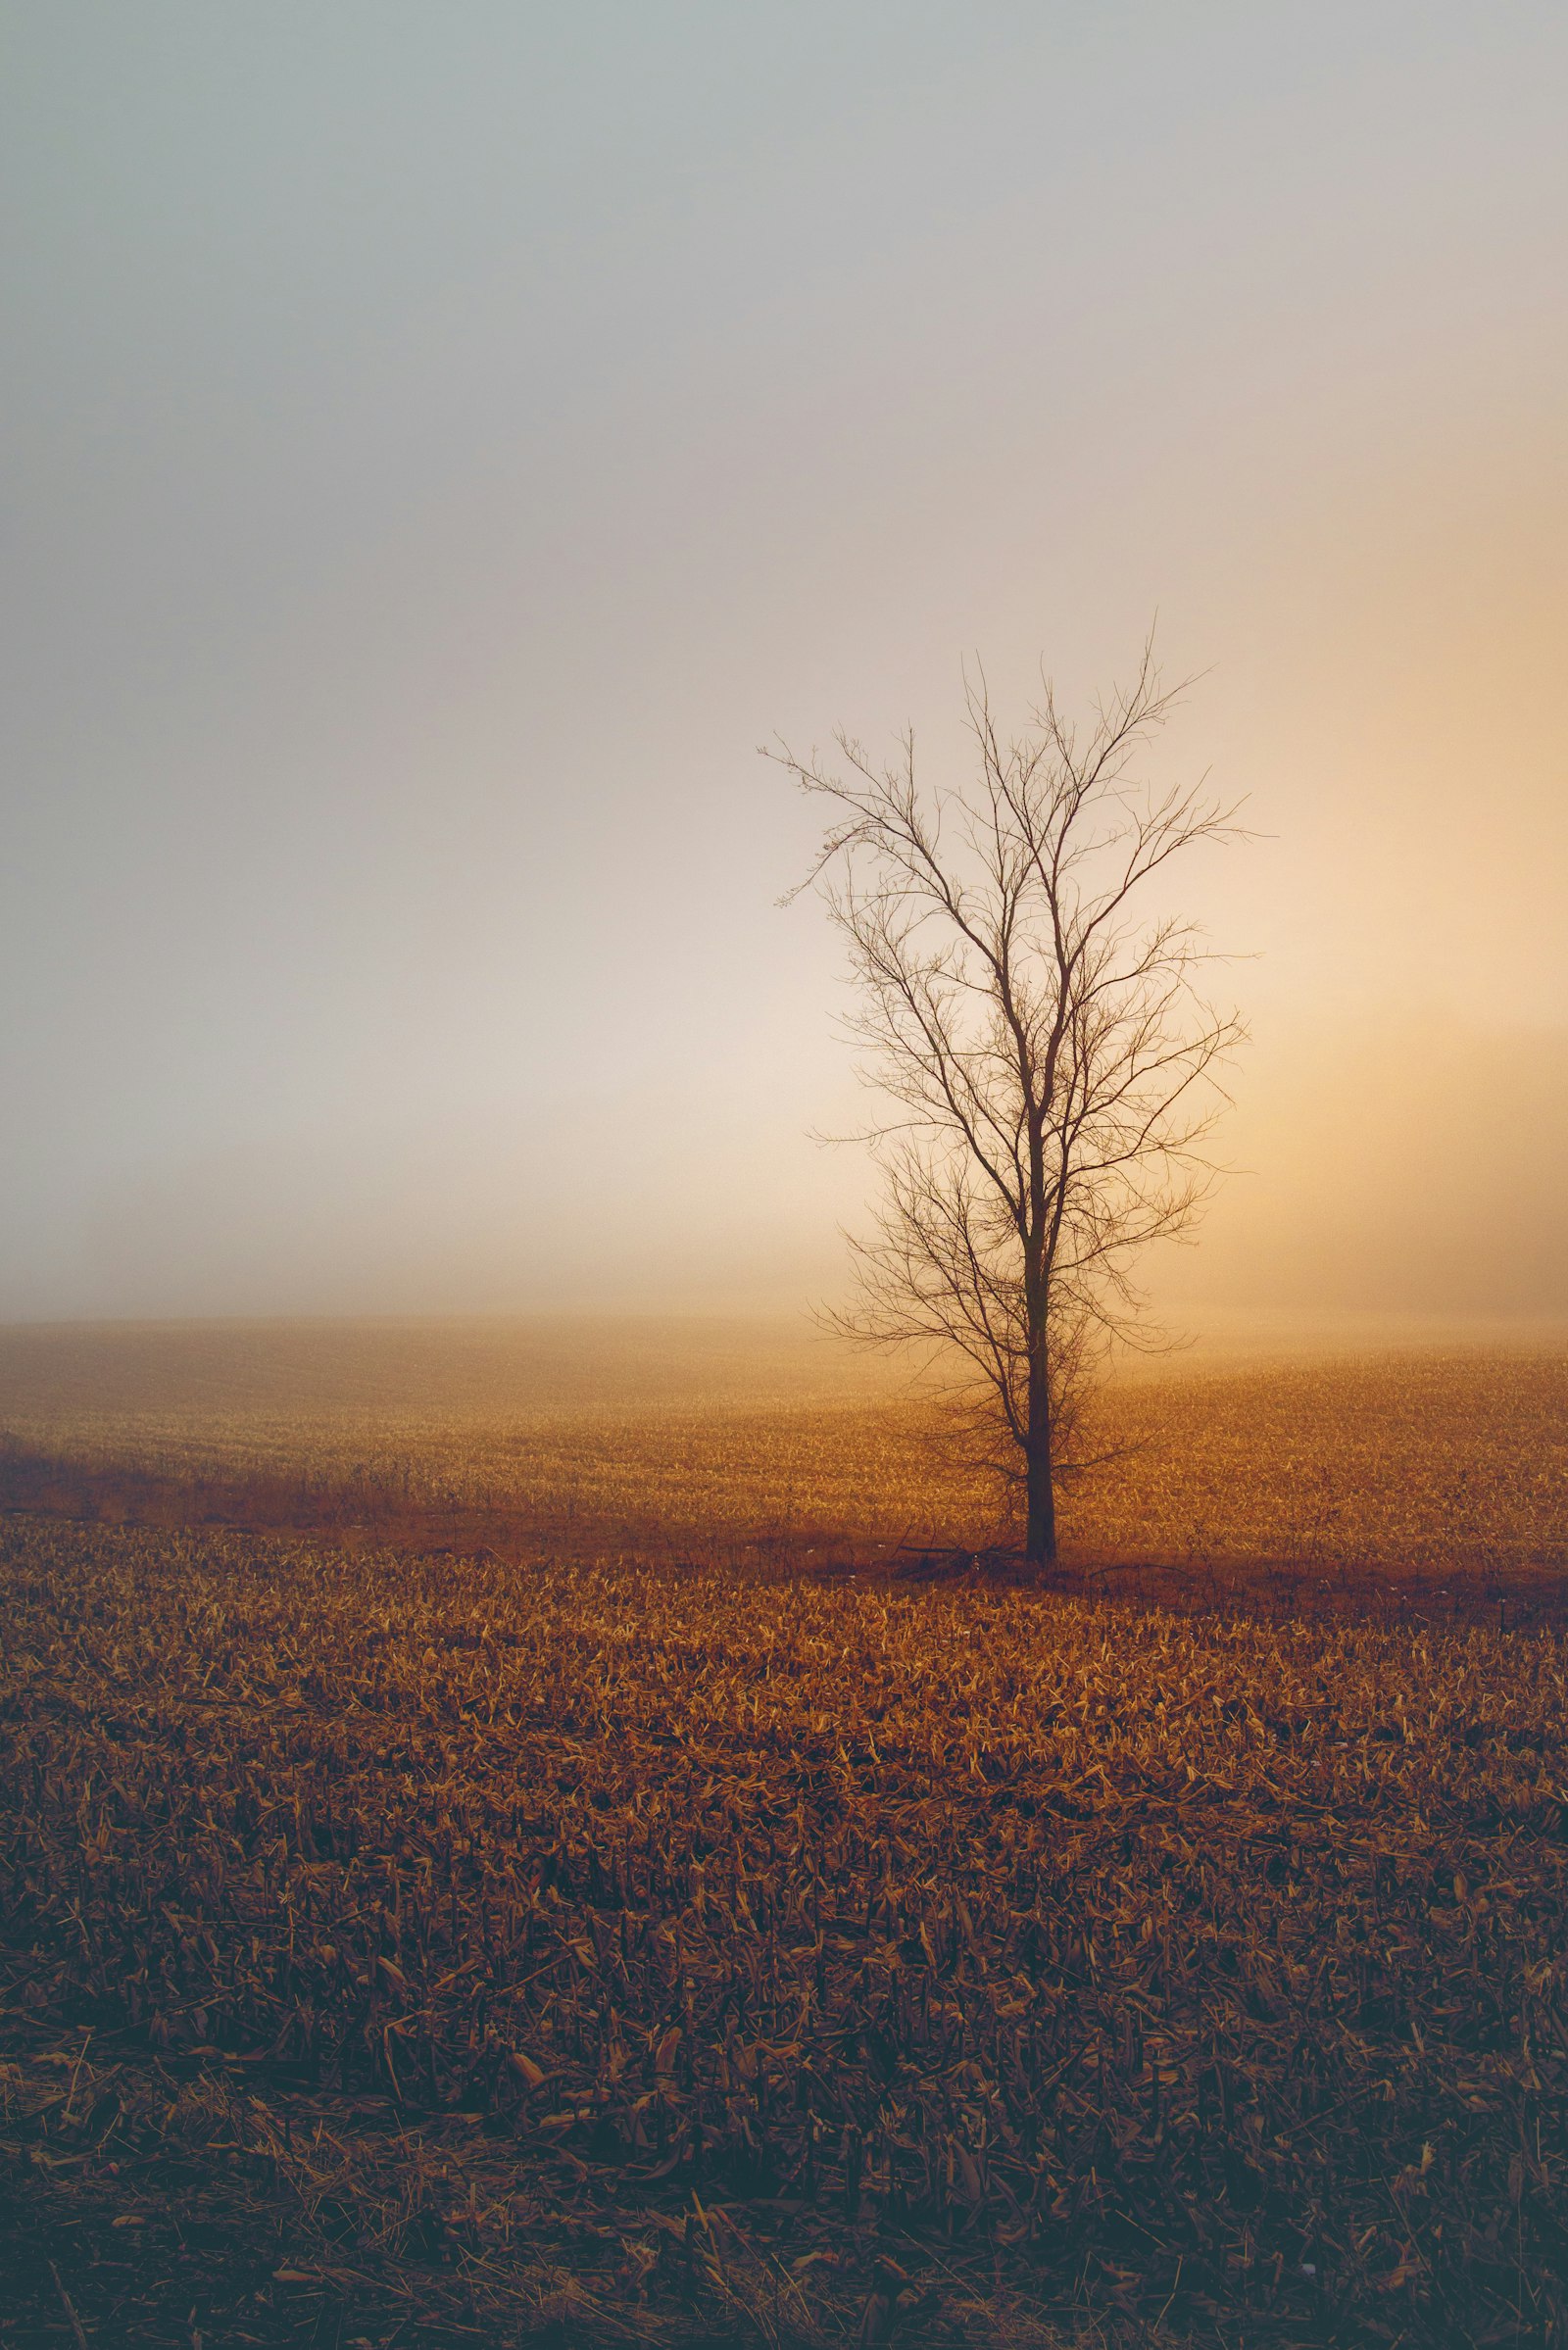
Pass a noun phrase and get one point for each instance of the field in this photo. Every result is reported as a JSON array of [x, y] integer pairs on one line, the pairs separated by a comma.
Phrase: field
[[689, 1917], [720, 1443]]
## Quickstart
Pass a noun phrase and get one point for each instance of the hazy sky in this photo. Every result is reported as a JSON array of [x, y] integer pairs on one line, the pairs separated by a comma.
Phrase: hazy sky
[[440, 443]]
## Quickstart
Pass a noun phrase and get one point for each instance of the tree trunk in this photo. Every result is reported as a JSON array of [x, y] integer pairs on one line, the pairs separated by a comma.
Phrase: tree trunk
[[1040, 1536]]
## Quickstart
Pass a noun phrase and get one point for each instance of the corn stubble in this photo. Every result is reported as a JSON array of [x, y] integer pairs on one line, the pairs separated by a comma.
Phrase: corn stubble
[[1428, 1465], [420, 1948]]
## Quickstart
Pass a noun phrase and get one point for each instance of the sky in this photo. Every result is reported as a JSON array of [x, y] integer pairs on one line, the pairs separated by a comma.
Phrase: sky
[[441, 444]]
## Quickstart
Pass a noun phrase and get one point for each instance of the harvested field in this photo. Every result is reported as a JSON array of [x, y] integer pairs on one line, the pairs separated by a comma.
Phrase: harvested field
[[413, 1949], [1445, 1471]]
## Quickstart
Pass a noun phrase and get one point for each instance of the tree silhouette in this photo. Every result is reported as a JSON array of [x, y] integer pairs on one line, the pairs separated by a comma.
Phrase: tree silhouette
[[1048, 1061]]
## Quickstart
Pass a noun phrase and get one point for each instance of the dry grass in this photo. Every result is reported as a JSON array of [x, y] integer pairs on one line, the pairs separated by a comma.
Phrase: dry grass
[[610, 1955], [711, 1441], [653, 1942]]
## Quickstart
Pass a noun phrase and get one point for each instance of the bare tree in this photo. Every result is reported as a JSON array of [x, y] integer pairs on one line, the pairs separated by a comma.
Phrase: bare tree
[[1049, 1060]]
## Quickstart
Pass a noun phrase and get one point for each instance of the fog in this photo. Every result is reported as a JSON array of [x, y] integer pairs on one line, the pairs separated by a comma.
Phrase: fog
[[1412, 1170], [442, 444]]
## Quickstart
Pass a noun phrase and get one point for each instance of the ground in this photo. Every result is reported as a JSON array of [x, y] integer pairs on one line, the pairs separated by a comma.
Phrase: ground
[[777, 1938]]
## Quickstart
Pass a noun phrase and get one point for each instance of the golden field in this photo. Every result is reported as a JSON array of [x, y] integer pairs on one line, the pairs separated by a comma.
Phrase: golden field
[[721, 1441], [670, 1921]]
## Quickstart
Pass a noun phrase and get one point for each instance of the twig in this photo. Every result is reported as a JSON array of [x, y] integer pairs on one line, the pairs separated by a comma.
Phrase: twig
[[69, 2309], [81, 2055], [1171, 2295]]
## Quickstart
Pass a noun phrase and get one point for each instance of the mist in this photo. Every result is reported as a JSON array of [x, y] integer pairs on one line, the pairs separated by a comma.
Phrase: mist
[[441, 449]]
